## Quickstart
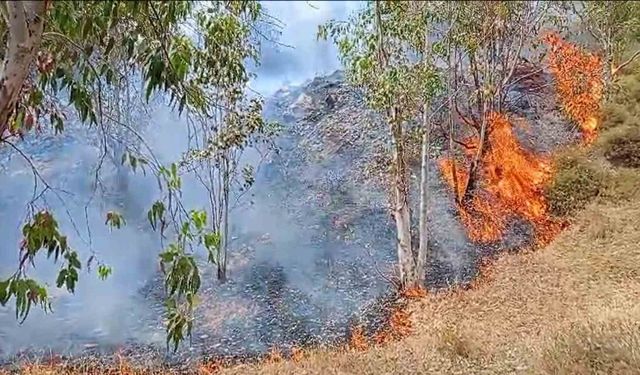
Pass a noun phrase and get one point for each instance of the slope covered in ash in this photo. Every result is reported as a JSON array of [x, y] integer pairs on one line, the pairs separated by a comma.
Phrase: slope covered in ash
[[310, 255]]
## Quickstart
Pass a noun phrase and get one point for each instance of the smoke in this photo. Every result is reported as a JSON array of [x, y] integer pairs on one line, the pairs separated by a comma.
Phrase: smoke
[[105, 309], [299, 56], [297, 274]]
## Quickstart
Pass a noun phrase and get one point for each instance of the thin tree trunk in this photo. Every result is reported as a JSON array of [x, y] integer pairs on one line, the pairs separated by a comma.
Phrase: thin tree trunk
[[402, 214], [421, 260], [222, 254], [25, 23], [423, 249]]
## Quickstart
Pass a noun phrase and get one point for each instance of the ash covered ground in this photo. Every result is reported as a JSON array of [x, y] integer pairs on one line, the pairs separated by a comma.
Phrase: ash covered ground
[[310, 253]]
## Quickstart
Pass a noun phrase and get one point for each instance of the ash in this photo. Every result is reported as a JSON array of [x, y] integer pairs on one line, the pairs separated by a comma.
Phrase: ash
[[310, 256]]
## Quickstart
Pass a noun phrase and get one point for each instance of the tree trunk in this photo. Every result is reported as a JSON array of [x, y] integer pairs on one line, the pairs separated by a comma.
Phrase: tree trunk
[[402, 214], [421, 261], [25, 23], [224, 245]]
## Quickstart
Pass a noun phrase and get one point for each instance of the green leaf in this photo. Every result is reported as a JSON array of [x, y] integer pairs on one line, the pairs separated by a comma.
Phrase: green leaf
[[104, 271], [4, 293], [62, 277]]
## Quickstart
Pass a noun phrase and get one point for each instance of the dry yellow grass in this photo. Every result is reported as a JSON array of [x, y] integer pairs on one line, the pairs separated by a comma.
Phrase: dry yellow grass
[[572, 308]]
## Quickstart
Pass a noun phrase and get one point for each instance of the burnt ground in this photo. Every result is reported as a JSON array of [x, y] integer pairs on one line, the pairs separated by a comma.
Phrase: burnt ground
[[314, 250]]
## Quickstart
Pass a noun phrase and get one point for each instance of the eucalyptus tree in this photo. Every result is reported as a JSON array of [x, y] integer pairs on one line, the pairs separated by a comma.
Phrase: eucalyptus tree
[[89, 54], [488, 41], [384, 48], [615, 27]]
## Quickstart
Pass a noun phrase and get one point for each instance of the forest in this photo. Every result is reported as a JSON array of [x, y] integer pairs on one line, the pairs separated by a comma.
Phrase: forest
[[320, 187]]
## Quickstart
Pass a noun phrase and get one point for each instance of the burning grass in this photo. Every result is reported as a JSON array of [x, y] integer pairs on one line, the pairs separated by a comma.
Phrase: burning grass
[[571, 308]]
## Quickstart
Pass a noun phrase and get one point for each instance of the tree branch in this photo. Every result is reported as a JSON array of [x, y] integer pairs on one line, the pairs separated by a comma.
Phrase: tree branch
[[629, 61]]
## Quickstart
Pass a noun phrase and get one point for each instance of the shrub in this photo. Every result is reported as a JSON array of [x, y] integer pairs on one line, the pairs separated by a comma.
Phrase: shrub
[[577, 181], [622, 147], [614, 115]]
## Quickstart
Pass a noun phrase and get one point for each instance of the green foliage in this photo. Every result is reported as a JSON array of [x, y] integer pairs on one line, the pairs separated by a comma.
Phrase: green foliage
[[134, 161], [68, 276], [194, 53], [173, 180], [614, 25], [41, 233], [104, 271], [182, 276], [27, 292], [387, 72], [115, 220], [156, 214]]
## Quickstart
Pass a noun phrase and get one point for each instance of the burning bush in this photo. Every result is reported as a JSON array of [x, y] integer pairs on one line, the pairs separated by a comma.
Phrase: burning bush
[[358, 340], [511, 181], [577, 181]]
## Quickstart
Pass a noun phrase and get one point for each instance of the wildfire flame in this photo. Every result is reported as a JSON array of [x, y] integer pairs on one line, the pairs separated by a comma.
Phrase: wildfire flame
[[358, 340], [398, 327], [511, 180], [579, 83]]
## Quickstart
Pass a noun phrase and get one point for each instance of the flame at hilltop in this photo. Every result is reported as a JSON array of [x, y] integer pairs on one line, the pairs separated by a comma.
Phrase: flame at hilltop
[[579, 83], [511, 179]]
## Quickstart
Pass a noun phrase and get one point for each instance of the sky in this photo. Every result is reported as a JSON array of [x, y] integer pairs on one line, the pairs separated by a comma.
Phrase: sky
[[307, 57]]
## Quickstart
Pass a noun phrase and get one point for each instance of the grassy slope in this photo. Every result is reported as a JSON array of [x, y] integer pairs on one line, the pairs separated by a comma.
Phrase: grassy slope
[[571, 308]]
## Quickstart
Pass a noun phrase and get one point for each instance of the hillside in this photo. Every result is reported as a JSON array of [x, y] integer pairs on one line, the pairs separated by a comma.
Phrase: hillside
[[572, 307]]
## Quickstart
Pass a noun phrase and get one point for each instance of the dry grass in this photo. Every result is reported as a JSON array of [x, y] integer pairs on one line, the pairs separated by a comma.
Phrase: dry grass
[[572, 308]]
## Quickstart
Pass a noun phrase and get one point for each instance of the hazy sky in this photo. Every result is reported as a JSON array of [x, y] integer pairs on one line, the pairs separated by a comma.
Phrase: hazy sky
[[308, 57]]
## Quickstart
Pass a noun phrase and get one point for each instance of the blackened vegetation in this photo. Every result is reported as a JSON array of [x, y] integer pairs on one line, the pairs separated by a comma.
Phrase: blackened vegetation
[[314, 255]]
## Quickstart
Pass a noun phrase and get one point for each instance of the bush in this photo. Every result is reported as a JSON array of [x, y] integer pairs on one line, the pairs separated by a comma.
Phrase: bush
[[577, 181], [615, 115], [622, 147]]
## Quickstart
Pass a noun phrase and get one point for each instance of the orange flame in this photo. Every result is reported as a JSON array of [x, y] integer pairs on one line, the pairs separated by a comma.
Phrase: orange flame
[[297, 354], [274, 355], [399, 326], [511, 180], [579, 83], [416, 292], [358, 340]]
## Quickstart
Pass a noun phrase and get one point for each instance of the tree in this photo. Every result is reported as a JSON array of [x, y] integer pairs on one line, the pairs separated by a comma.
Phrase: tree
[[489, 39], [377, 46], [192, 53], [615, 26]]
